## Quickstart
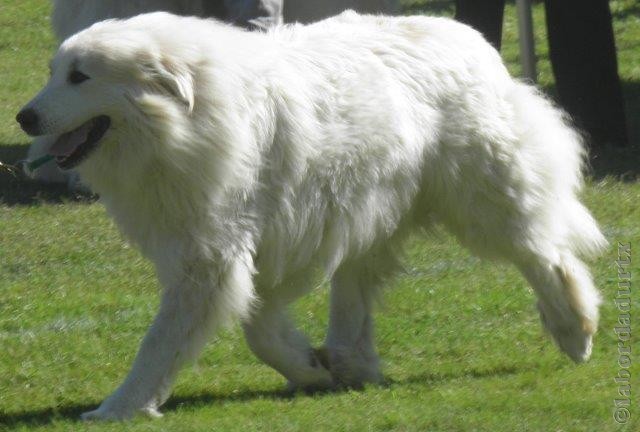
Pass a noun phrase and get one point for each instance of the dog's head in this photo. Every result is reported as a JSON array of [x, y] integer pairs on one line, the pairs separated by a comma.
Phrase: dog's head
[[105, 81]]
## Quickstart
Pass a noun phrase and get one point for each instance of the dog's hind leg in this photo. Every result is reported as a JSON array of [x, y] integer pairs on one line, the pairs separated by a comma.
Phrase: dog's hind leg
[[551, 230], [508, 189], [544, 244], [567, 298], [274, 339], [350, 337]]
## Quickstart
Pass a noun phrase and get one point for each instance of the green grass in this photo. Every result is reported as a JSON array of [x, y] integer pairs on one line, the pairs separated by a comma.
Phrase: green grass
[[461, 343]]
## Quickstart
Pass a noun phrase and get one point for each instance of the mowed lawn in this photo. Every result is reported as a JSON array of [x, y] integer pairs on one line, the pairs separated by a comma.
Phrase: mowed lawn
[[462, 346]]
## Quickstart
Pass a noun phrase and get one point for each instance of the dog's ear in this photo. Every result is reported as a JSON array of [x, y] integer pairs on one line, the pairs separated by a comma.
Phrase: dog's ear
[[173, 78]]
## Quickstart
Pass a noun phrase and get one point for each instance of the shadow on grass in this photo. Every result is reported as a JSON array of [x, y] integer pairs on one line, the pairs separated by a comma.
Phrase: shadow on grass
[[72, 412], [17, 189], [43, 416], [431, 378]]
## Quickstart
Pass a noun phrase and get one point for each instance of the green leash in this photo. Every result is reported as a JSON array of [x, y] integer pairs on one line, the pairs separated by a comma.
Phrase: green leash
[[37, 163]]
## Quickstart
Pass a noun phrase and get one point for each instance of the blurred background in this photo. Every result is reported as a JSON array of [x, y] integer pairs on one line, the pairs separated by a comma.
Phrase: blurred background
[[612, 119]]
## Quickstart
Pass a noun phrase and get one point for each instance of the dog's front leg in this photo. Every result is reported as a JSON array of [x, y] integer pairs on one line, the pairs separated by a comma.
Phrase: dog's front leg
[[191, 309]]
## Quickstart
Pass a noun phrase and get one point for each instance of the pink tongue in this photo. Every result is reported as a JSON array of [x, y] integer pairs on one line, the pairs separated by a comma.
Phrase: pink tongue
[[69, 142]]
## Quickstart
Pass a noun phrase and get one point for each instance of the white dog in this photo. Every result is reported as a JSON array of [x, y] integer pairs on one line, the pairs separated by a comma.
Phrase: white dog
[[238, 162]]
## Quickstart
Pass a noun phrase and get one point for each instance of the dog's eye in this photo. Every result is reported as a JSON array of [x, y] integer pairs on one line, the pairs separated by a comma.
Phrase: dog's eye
[[76, 77]]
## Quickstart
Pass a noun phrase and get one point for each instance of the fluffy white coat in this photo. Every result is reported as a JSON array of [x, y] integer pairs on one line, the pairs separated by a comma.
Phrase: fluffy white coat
[[239, 162], [70, 16]]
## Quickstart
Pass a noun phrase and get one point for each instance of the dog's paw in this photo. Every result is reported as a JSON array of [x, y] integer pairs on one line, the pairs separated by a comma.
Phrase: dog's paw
[[318, 377], [106, 414], [151, 412], [353, 369], [572, 333]]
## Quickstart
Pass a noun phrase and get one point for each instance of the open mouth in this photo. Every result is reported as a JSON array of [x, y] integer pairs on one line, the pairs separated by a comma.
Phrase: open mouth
[[73, 147]]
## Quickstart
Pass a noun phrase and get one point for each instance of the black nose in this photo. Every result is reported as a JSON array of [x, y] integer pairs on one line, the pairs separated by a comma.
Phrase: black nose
[[28, 120]]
